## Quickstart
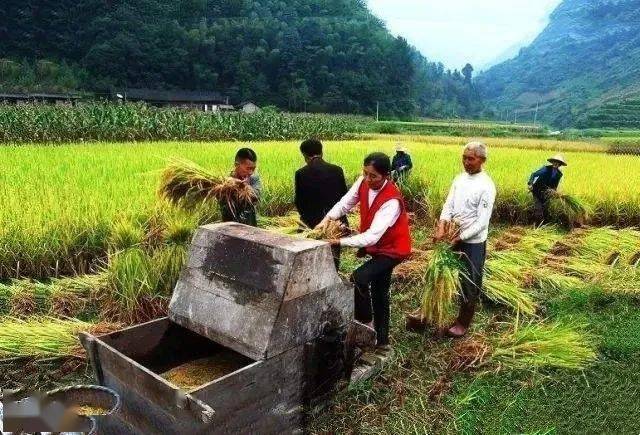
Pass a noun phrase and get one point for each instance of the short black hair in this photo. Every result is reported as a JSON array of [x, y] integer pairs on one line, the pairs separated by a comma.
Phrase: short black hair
[[380, 162], [246, 154], [311, 147]]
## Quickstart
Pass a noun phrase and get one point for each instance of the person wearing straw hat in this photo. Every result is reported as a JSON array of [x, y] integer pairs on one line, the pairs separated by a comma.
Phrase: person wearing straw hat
[[401, 164], [542, 182]]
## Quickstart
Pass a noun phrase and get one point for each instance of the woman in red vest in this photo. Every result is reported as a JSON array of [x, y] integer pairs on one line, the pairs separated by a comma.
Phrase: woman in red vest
[[384, 235]]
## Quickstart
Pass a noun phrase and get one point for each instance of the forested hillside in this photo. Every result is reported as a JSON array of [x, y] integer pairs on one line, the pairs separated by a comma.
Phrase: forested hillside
[[327, 55], [583, 64]]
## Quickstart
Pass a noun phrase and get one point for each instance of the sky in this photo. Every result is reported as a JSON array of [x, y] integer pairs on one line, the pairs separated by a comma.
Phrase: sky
[[454, 32]]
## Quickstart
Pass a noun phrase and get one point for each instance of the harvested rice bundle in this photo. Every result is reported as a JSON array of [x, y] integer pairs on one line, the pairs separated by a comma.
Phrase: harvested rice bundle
[[189, 185], [45, 337], [72, 296], [234, 193], [511, 295], [331, 231], [552, 281], [441, 285], [544, 345], [568, 210]]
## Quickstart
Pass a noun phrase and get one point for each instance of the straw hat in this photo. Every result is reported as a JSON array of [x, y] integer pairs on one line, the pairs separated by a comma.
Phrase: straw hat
[[400, 148], [558, 158]]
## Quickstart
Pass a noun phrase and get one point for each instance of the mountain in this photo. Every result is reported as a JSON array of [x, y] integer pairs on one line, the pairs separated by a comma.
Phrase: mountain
[[586, 58], [315, 55]]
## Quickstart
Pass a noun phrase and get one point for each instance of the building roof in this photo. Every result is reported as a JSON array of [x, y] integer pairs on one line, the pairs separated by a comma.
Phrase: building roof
[[172, 96], [41, 95]]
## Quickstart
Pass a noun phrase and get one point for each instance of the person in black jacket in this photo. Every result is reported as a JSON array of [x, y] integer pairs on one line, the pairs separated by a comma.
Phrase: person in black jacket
[[318, 187], [542, 183]]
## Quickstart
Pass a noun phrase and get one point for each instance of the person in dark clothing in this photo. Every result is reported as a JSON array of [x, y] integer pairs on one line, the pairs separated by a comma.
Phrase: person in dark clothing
[[318, 187], [244, 170], [541, 184], [401, 164]]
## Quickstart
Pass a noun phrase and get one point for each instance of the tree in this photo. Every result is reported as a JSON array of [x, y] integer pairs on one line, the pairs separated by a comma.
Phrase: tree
[[467, 72]]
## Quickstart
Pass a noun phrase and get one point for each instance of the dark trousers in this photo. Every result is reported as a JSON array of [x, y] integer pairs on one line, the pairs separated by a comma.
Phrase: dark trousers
[[372, 281], [473, 256], [541, 207]]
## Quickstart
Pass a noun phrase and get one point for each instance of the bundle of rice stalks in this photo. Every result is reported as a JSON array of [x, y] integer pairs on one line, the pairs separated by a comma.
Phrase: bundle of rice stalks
[[45, 337], [544, 345], [187, 184], [511, 295], [71, 297], [568, 210], [548, 280], [234, 193], [441, 285], [59, 297], [331, 231]]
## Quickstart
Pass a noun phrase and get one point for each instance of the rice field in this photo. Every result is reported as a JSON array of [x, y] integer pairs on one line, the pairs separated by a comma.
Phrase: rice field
[[86, 243], [60, 203]]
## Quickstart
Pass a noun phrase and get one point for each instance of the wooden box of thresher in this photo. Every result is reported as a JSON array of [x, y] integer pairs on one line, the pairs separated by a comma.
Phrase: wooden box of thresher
[[258, 332]]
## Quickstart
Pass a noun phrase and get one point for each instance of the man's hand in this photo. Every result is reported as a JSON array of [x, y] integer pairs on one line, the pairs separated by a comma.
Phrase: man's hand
[[334, 242], [439, 235], [455, 241], [530, 188]]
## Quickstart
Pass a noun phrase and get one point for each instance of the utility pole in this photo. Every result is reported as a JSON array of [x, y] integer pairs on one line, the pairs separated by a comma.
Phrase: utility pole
[[535, 117], [377, 111], [515, 116]]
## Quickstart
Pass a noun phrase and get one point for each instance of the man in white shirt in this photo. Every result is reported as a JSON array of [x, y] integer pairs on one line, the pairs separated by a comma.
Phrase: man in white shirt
[[470, 204], [384, 235]]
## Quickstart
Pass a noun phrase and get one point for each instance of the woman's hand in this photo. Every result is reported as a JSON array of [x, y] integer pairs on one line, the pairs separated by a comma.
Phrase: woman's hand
[[323, 223]]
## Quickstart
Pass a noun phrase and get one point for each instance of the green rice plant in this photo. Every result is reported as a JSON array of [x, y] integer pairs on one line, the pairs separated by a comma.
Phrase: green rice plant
[[167, 264], [536, 344], [441, 285], [568, 210], [131, 280], [44, 337], [511, 295], [125, 234], [57, 220], [179, 228]]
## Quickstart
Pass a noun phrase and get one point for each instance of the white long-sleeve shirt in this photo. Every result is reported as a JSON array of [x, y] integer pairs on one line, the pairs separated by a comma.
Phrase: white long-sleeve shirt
[[470, 203], [385, 217]]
